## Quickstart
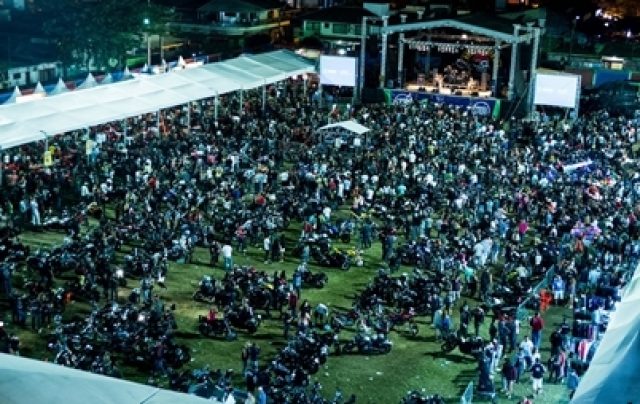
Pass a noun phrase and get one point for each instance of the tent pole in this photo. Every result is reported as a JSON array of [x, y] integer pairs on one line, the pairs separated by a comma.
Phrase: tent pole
[[494, 72], [304, 79], [241, 101], [189, 116], [216, 101], [264, 97], [158, 121]]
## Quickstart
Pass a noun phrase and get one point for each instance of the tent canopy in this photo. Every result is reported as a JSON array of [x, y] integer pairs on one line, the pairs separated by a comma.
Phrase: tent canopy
[[45, 382], [614, 370], [64, 112], [351, 126]]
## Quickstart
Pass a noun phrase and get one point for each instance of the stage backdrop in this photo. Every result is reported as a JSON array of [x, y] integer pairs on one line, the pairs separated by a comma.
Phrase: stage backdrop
[[480, 106]]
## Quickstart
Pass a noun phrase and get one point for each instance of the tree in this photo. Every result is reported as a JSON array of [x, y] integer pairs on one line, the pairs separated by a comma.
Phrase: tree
[[94, 35]]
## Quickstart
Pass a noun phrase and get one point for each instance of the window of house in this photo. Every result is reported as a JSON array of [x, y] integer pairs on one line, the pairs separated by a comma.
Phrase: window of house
[[327, 25], [229, 14], [340, 28], [313, 26], [17, 76]]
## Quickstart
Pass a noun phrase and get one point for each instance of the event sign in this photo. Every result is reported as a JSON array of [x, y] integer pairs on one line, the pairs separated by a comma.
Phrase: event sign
[[48, 160], [478, 106]]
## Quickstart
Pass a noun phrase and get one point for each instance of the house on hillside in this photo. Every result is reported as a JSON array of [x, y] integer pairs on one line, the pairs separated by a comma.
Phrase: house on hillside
[[236, 19], [337, 27]]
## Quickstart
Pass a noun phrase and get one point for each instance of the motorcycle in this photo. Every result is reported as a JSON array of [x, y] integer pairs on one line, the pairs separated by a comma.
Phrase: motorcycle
[[317, 280], [377, 344], [206, 290], [217, 328], [469, 346], [244, 321]]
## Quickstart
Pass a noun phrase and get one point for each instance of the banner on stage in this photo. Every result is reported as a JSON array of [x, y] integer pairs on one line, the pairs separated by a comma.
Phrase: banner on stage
[[479, 106]]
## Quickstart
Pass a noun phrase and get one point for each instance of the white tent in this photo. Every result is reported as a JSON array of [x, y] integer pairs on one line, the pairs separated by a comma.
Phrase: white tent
[[24, 123], [126, 74], [26, 380], [60, 88], [107, 79], [89, 82], [351, 126], [614, 369], [14, 96], [39, 89]]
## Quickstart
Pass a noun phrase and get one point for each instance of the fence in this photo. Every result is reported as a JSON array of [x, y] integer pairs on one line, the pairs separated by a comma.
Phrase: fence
[[467, 396], [521, 312]]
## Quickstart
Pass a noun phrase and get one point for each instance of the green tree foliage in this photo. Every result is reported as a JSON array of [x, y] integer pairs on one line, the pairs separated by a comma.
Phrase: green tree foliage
[[95, 34]]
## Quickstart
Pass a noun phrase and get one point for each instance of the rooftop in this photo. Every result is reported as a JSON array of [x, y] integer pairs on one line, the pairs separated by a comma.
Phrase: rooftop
[[349, 15]]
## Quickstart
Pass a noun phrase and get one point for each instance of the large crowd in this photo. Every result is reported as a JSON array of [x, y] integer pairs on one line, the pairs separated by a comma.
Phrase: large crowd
[[482, 210]]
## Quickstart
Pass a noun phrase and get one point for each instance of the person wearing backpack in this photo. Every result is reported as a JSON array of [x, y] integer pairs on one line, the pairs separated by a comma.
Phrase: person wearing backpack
[[537, 375]]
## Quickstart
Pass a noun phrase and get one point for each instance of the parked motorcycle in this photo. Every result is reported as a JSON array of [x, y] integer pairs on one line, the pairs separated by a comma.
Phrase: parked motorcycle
[[364, 344], [470, 346], [218, 328]]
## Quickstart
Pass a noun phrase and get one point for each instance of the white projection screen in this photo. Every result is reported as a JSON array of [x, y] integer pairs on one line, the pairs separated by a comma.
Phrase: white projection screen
[[557, 90], [338, 71]]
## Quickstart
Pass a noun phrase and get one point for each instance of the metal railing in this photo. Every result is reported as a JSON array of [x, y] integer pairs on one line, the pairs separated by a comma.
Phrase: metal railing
[[467, 396]]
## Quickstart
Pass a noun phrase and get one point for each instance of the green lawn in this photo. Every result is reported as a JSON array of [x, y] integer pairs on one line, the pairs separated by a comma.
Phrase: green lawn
[[414, 363]]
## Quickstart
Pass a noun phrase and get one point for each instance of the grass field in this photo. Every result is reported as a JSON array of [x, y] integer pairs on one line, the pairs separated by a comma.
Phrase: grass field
[[414, 363]]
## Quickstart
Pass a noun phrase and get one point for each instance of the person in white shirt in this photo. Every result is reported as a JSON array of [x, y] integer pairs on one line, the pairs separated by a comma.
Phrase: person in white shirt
[[326, 212], [227, 255], [527, 348]]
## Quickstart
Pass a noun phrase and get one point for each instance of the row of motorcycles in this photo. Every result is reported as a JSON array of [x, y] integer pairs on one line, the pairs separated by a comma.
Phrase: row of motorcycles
[[142, 335]]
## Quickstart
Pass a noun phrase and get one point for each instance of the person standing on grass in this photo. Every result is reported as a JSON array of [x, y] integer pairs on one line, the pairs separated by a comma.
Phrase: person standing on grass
[[527, 349], [572, 382], [537, 325], [537, 375], [558, 287], [509, 376], [244, 356], [478, 319], [214, 253], [254, 354], [266, 247], [227, 256]]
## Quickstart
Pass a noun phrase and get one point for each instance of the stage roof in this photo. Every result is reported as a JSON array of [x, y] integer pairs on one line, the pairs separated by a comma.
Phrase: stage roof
[[34, 120], [498, 28]]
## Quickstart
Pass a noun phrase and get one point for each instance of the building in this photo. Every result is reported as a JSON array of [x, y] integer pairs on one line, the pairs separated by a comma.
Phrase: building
[[29, 75], [235, 20], [338, 28]]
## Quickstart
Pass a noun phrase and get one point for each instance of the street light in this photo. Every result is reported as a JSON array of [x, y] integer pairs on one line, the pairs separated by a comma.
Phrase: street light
[[146, 23], [573, 31]]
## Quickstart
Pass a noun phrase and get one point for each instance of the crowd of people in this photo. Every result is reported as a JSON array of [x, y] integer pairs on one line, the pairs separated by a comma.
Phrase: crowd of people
[[480, 209]]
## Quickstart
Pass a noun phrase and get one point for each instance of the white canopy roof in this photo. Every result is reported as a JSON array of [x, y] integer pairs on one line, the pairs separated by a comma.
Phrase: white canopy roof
[[32, 121], [613, 371], [351, 126], [27, 380]]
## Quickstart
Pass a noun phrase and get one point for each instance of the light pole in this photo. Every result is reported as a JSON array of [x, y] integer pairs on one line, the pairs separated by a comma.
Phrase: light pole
[[46, 140], [363, 43], [573, 32], [146, 22]]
